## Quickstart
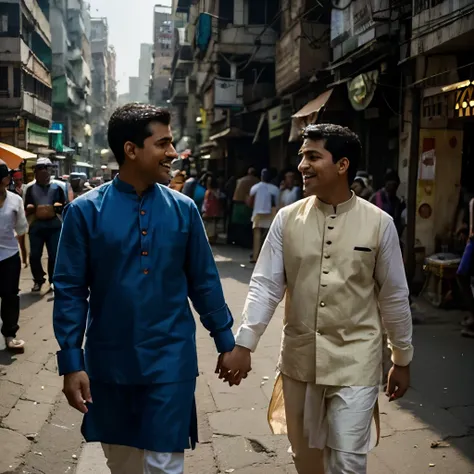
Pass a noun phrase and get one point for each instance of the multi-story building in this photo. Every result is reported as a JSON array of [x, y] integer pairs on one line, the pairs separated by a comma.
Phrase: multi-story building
[[233, 76], [25, 77], [112, 79], [100, 84], [71, 73], [144, 71], [162, 55]]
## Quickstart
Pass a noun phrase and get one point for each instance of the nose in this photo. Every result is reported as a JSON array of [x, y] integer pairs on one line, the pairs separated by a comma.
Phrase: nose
[[303, 166], [172, 153]]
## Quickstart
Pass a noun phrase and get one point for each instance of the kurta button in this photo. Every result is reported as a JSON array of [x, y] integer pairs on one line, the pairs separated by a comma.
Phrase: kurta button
[[322, 304], [145, 253], [326, 272], [326, 256], [146, 271], [328, 242], [144, 232], [142, 213], [330, 227]]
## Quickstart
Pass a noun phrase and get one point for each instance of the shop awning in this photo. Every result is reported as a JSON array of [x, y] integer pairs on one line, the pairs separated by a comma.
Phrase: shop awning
[[13, 156], [82, 164], [308, 114], [261, 121], [231, 132], [67, 149]]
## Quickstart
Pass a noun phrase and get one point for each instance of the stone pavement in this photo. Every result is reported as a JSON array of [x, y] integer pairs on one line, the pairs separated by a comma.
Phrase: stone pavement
[[39, 433]]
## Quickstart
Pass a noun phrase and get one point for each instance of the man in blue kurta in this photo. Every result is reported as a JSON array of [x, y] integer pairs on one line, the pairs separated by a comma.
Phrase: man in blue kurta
[[131, 253]]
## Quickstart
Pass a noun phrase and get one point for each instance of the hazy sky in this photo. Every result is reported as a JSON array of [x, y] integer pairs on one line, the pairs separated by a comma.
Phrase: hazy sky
[[130, 24]]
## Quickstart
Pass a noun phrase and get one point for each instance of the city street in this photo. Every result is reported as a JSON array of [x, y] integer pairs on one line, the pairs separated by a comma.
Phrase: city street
[[431, 430]]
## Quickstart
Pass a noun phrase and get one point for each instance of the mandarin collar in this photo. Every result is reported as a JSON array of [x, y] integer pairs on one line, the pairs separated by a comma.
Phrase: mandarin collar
[[124, 187], [342, 208]]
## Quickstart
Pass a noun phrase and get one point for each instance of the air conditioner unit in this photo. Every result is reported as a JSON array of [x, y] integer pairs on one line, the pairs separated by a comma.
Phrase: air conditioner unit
[[191, 85]]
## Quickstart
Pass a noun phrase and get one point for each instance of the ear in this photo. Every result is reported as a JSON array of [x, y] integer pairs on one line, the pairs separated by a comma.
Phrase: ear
[[343, 165], [130, 150]]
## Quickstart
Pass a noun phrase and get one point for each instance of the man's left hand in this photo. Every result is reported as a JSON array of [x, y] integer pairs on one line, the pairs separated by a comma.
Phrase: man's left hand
[[398, 382]]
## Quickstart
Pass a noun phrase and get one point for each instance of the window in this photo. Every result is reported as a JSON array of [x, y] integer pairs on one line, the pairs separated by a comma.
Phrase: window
[[4, 82], [3, 23], [16, 82], [263, 12], [226, 11]]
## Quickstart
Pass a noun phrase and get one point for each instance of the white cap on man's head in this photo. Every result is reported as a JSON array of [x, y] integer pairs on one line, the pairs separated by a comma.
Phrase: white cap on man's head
[[44, 162]]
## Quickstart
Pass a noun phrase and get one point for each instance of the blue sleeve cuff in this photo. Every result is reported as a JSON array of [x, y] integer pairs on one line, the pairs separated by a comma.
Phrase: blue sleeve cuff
[[225, 341], [70, 360]]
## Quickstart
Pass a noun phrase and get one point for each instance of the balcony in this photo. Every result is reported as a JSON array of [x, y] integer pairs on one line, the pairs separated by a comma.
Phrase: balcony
[[36, 108], [42, 23], [33, 65], [241, 41], [296, 59], [178, 91], [437, 22], [76, 23]]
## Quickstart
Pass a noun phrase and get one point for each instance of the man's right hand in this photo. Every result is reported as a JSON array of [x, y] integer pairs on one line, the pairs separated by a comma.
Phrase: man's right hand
[[77, 390], [234, 366]]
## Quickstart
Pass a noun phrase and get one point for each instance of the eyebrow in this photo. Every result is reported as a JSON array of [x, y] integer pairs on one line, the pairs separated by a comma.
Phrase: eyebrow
[[164, 139]]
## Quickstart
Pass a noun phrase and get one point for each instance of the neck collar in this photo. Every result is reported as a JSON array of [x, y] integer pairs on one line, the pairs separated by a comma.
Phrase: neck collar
[[328, 209], [124, 187]]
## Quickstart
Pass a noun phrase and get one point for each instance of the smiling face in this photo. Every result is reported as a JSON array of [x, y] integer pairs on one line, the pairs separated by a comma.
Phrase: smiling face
[[153, 160], [320, 174]]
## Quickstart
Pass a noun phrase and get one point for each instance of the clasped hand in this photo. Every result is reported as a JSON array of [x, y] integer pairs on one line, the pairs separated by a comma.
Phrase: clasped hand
[[233, 367]]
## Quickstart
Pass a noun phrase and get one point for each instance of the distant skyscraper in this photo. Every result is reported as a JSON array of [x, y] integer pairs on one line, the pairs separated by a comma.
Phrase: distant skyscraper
[[163, 39]]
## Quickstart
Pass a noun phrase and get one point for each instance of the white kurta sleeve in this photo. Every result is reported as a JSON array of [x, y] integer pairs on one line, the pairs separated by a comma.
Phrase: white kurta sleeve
[[267, 288], [393, 296]]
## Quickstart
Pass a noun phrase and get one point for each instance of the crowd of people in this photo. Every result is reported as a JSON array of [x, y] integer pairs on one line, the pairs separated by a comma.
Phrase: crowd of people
[[34, 209]]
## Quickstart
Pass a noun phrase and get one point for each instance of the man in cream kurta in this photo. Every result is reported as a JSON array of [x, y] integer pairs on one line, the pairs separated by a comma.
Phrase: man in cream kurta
[[338, 259]]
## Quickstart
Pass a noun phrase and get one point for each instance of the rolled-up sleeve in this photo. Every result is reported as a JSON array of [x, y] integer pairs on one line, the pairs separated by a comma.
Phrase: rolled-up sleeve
[[204, 286], [21, 224], [393, 296], [71, 291]]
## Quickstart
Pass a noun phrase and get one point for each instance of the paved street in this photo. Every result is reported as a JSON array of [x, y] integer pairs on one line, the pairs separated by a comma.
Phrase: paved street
[[40, 434]]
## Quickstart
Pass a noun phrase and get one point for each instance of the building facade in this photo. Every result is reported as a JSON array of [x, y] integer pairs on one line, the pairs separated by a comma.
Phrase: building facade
[[162, 55], [72, 77], [25, 74]]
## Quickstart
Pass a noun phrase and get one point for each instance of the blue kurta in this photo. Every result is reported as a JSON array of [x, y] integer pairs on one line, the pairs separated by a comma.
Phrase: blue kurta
[[126, 266]]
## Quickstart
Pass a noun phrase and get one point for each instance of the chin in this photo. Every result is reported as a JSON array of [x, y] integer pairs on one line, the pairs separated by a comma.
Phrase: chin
[[163, 179]]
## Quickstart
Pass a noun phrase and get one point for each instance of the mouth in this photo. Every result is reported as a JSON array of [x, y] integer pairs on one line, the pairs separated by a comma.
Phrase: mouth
[[307, 177], [166, 165]]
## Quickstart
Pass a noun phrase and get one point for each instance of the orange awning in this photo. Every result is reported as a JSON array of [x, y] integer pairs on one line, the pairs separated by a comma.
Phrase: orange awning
[[13, 156]]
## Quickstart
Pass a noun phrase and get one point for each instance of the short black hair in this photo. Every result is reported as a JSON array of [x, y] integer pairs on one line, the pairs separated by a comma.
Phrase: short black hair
[[130, 123], [341, 142], [391, 175]]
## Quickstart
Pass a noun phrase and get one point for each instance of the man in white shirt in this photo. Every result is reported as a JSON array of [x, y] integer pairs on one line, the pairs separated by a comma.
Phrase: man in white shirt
[[344, 283], [12, 219], [264, 198], [289, 192]]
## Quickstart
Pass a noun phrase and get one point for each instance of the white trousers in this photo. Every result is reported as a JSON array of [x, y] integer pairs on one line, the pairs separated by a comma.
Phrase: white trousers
[[127, 460], [330, 428]]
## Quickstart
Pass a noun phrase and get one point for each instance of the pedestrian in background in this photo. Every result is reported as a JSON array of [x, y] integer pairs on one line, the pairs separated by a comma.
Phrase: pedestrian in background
[[466, 272], [289, 191], [240, 226], [212, 208], [131, 254], [44, 203], [12, 221], [264, 199]]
